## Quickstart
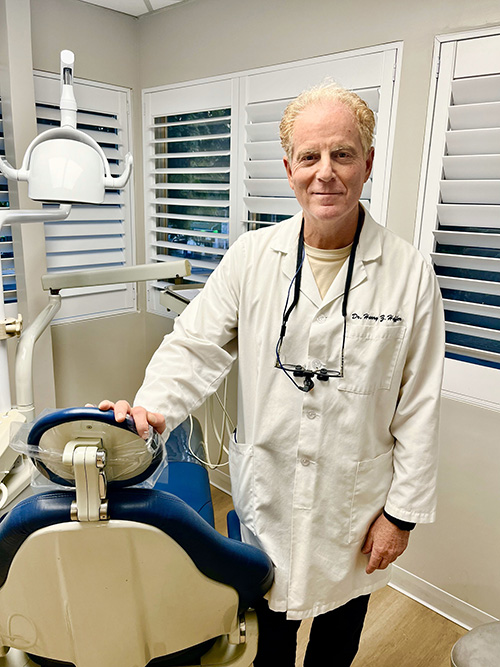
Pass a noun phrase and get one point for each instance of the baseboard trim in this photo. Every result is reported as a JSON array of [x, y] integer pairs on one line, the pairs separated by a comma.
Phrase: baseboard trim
[[440, 601], [220, 480]]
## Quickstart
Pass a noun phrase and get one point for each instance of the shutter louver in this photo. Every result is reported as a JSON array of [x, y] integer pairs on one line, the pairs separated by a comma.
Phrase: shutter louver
[[191, 160], [6, 247], [467, 250], [269, 198], [93, 236]]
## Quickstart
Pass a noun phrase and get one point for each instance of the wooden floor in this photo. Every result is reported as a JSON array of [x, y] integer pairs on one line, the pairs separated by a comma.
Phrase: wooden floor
[[399, 632]]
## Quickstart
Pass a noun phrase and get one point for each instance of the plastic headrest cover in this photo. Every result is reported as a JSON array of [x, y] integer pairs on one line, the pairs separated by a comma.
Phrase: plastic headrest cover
[[130, 459]]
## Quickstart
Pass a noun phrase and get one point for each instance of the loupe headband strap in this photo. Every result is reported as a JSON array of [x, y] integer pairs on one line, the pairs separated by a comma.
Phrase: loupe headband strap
[[352, 257], [298, 274]]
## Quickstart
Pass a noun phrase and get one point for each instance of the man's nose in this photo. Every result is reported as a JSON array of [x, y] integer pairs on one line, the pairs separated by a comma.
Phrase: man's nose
[[325, 169]]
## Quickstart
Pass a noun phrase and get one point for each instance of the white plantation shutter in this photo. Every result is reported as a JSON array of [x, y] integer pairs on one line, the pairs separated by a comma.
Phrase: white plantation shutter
[[192, 152], [189, 176], [466, 216], [268, 196], [94, 236], [214, 163], [461, 209], [6, 247]]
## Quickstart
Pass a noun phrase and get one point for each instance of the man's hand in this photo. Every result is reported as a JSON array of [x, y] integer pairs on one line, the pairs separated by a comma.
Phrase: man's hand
[[142, 417], [385, 542]]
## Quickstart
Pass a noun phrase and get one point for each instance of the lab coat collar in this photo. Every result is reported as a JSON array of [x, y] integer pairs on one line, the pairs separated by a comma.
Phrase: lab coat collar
[[369, 250]]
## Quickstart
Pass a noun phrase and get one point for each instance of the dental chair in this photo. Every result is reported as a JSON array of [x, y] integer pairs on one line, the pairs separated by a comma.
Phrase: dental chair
[[107, 575]]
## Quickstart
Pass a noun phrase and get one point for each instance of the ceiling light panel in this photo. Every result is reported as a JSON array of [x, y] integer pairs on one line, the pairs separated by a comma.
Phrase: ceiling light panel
[[132, 7]]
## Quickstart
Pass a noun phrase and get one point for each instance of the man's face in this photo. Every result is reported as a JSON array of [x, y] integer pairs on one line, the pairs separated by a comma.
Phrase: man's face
[[328, 167]]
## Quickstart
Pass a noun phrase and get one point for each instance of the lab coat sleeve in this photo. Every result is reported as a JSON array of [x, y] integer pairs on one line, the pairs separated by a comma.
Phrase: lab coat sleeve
[[192, 361], [412, 496]]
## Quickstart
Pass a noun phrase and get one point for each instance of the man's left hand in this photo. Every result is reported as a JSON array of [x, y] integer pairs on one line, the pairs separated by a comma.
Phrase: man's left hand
[[385, 542]]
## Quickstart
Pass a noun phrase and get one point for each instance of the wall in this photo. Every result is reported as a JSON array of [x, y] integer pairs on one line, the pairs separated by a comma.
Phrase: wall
[[200, 39], [106, 50]]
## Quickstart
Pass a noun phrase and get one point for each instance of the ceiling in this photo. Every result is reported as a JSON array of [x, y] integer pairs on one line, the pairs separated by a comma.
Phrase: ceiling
[[133, 7]]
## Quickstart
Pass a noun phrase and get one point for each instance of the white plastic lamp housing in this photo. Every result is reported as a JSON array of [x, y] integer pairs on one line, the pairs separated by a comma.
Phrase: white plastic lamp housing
[[63, 170], [64, 164]]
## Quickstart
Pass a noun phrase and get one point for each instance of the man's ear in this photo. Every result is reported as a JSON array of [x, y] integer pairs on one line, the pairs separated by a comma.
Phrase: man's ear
[[288, 168], [369, 163]]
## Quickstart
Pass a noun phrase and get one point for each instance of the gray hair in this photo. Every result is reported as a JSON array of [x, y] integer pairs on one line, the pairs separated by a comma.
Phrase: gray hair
[[331, 92]]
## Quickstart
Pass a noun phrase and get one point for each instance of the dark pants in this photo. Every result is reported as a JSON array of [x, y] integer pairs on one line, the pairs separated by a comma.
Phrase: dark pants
[[333, 642]]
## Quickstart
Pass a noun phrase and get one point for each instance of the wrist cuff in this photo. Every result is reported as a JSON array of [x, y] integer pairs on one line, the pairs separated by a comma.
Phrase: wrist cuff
[[402, 525]]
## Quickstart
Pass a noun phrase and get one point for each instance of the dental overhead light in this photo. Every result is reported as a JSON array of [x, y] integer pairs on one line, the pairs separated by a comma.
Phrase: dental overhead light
[[63, 164]]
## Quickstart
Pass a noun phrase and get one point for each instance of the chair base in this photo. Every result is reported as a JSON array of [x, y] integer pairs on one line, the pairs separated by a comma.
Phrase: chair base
[[222, 653], [185, 658], [16, 658]]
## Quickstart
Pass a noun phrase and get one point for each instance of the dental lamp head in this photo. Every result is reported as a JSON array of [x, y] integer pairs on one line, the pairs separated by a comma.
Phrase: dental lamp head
[[64, 164]]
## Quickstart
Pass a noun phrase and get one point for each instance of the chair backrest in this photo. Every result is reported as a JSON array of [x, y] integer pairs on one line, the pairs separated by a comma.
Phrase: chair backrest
[[152, 579]]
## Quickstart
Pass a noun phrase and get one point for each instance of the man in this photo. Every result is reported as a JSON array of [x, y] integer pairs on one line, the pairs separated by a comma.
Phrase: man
[[338, 329]]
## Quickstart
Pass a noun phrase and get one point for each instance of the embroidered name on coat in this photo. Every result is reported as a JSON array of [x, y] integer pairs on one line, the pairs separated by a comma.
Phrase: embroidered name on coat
[[377, 318]]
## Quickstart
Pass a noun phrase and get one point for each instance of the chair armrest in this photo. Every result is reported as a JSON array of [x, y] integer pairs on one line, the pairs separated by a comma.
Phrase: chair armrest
[[233, 526]]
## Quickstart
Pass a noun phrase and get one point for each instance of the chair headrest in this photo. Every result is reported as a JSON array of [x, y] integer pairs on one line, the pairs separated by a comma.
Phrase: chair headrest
[[130, 459]]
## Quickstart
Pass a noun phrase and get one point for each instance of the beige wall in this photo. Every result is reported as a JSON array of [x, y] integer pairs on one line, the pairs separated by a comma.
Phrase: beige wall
[[459, 553], [209, 37]]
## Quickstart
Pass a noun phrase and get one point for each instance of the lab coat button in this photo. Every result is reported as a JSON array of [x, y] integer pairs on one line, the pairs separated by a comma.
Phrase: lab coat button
[[305, 462], [317, 364], [321, 319], [311, 415]]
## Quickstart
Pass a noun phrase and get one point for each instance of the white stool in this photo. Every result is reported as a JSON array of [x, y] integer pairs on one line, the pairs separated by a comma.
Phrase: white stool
[[479, 648]]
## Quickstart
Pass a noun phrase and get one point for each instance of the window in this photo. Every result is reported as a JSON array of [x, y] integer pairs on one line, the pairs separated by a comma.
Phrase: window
[[189, 174], [6, 248], [461, 210], [213, 160], [94, 236], [192, 172]]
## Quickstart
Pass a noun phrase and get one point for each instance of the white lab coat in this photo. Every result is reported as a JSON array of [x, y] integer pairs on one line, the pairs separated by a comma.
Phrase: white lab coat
[[311, 471]]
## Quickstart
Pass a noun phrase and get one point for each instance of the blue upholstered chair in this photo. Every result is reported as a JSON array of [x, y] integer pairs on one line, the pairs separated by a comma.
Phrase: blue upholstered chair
[[114, 576]]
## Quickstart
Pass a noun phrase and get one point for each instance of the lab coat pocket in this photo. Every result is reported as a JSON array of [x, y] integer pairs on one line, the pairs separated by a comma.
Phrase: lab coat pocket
[[370, 356], [241, 470], [371, 486]]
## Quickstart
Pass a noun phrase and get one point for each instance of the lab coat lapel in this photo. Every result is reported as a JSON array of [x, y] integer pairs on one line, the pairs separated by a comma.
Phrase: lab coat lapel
[[369, 250], [286, 242]]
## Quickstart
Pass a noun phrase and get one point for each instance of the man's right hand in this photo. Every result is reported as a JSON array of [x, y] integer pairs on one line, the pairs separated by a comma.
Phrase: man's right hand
[[143, 419]]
